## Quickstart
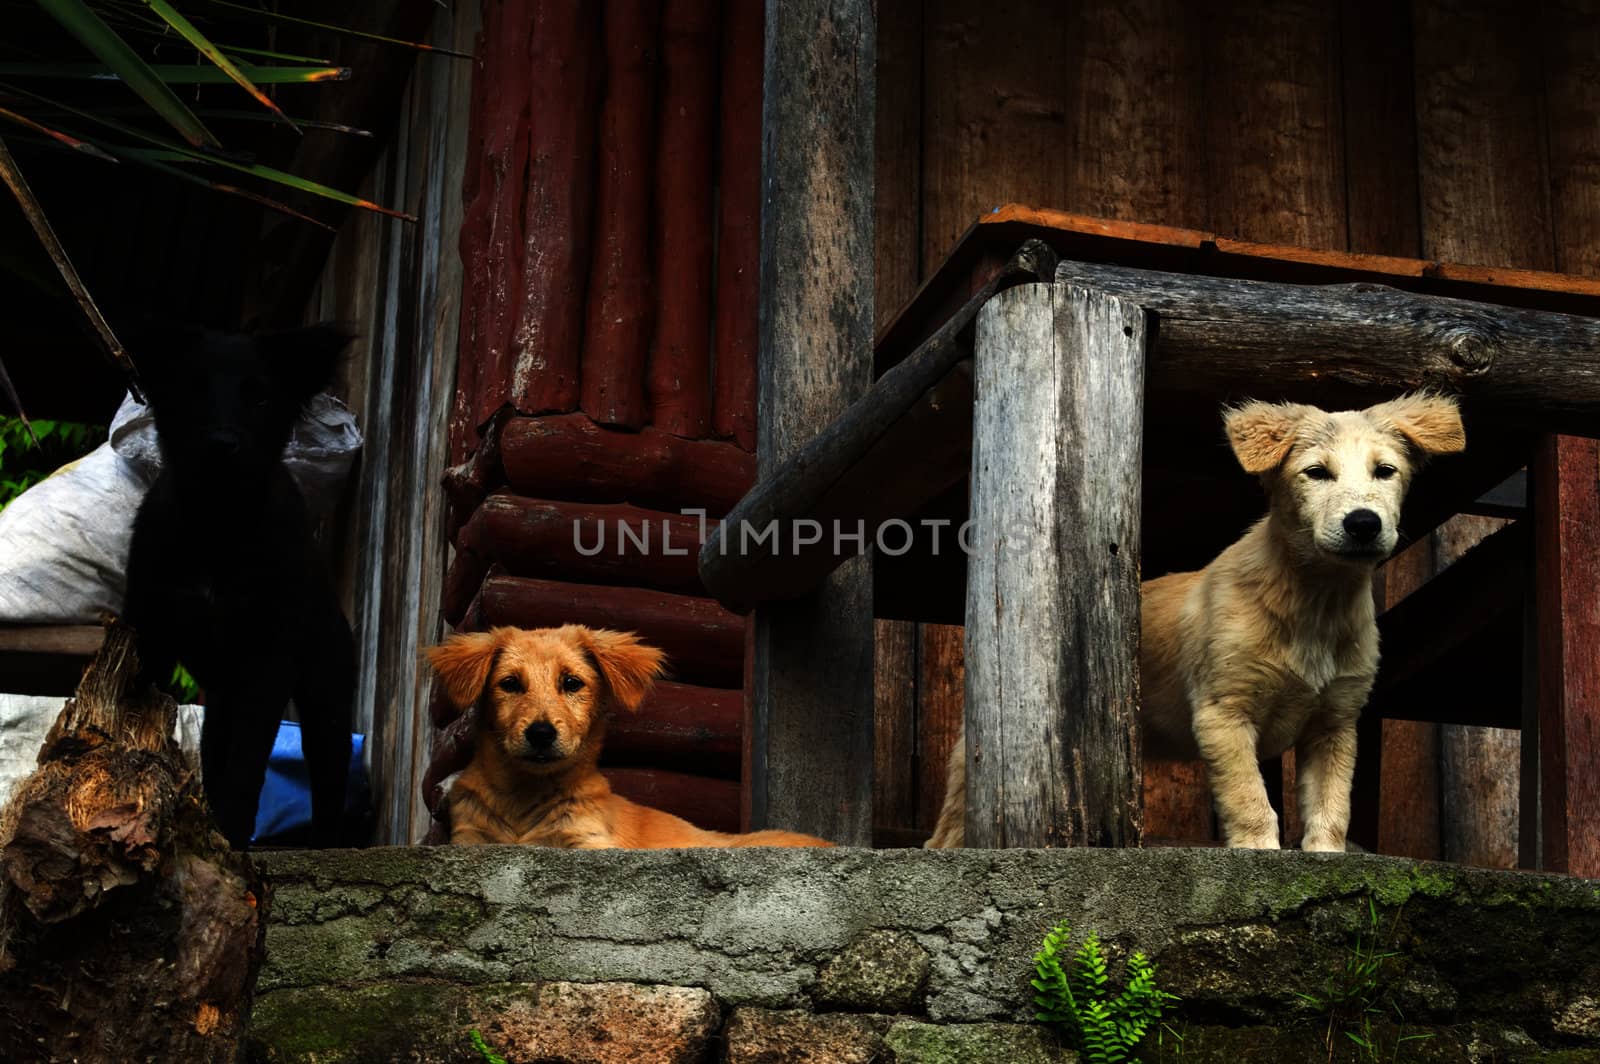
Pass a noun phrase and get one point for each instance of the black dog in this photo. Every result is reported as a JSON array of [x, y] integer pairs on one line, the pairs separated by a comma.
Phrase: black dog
[[223, 573]]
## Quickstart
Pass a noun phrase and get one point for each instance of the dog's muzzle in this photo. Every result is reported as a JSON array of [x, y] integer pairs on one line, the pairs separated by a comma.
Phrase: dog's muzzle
[[541, 739]]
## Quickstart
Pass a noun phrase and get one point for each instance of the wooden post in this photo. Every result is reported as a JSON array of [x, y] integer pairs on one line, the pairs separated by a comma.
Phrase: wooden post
[[811, 746], [1567, 588], [1053, 752]]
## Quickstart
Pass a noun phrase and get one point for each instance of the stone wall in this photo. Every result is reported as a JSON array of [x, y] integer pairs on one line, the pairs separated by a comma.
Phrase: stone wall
[[791, 955]]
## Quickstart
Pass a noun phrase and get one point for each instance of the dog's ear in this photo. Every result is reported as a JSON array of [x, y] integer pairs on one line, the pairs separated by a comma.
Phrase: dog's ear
[[1262, 433], [463, 662], [1430, 423], [630, 666], [303, 361]]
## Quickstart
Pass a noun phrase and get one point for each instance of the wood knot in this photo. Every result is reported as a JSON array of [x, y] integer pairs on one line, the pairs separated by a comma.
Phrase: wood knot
[[1471, 347]]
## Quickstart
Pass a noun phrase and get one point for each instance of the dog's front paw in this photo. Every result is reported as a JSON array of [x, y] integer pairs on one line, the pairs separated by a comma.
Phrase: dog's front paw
[[1323, 844], [1260, 841]]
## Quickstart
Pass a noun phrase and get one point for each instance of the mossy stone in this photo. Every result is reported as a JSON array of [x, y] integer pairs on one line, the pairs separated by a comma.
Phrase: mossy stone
[[879, 971]]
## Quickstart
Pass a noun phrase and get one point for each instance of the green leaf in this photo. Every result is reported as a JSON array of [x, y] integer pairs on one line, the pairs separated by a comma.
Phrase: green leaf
[[265, 173], [203, 45], [116, 53], [182, 74], [279, 17]]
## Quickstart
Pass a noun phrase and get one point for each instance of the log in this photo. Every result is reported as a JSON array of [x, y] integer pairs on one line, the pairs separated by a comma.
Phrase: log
[[1567, 606], [1362, 342], [461, 583], [680, 354], [616, 335], [733, 411], [705, 803], [128, 929], [585, 543], [811, 746], [704, 643], [556, 213], [1052, 633], [492, 224], [918, 410], [573, 458]]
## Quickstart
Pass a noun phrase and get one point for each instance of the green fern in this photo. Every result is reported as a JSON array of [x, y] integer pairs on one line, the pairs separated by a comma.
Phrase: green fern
[[489, 1055], [1105, 1030]]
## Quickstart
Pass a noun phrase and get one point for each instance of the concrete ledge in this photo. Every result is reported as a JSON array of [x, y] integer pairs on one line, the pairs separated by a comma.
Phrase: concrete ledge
[[948, 937]]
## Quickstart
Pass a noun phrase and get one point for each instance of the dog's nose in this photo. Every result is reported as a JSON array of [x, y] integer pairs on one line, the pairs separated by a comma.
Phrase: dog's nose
[[540, 734], [1362, 526], [222, 442]]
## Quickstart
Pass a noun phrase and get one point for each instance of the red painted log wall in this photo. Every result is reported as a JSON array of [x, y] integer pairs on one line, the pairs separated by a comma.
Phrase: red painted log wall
[[738, 225], [621, 283], [680, 356]]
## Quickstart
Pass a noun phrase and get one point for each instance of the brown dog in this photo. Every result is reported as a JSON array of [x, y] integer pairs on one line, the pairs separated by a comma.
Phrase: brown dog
[[544, 697]]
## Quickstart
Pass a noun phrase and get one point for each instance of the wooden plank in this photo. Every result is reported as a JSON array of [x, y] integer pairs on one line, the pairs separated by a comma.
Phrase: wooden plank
[[812, 712], [1479, 87], [680, 355], [894, 789], [1340, 341], [897, 260], [1134, 74], [75, 640], [1408, 815], [620, 300], [1380, 127], [546, 343], [1274, 136], [1053, 747], [589, 543], [1570, 44], [941, 692], [994, 113], [1567, 574], [897, 213], [570, 457], [703, 642], [738, 226]]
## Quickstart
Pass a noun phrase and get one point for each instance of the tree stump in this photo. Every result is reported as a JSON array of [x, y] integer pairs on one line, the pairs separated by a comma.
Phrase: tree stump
[[128, 929]]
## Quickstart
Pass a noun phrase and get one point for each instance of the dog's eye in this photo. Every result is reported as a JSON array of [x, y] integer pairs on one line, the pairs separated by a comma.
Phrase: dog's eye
[[510, 684], [1384, 472], [1318, 472], [571, 684]]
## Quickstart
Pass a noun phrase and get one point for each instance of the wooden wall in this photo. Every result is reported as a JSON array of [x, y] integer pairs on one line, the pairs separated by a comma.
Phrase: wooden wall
[[1465, 130]]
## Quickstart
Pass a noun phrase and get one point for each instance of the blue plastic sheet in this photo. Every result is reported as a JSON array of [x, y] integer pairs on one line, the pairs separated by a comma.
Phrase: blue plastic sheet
[[285, 813]]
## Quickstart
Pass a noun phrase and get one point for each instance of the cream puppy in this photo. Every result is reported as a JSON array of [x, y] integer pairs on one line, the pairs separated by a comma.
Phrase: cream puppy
[[1274, 645]]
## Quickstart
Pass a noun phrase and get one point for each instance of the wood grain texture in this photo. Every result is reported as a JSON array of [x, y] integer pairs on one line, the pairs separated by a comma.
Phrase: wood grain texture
[[812, 711], [570, 457], [1570, 43], [621, 295], [1409, 813], [1379, 128], [1274, 123], [1135, 122], [994, 113], [1567, 576], [1361, 340], [566, 62], [897, 212], [894, 790], [679, 377], [1485, 196], [733, 411], [941, 700], [1053, 750], [491, 230]]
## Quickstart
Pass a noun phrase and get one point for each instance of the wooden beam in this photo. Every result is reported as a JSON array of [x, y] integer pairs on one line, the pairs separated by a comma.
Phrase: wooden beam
[[1360, 341], [1053, 749], [1567, 590], [811, 745]]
